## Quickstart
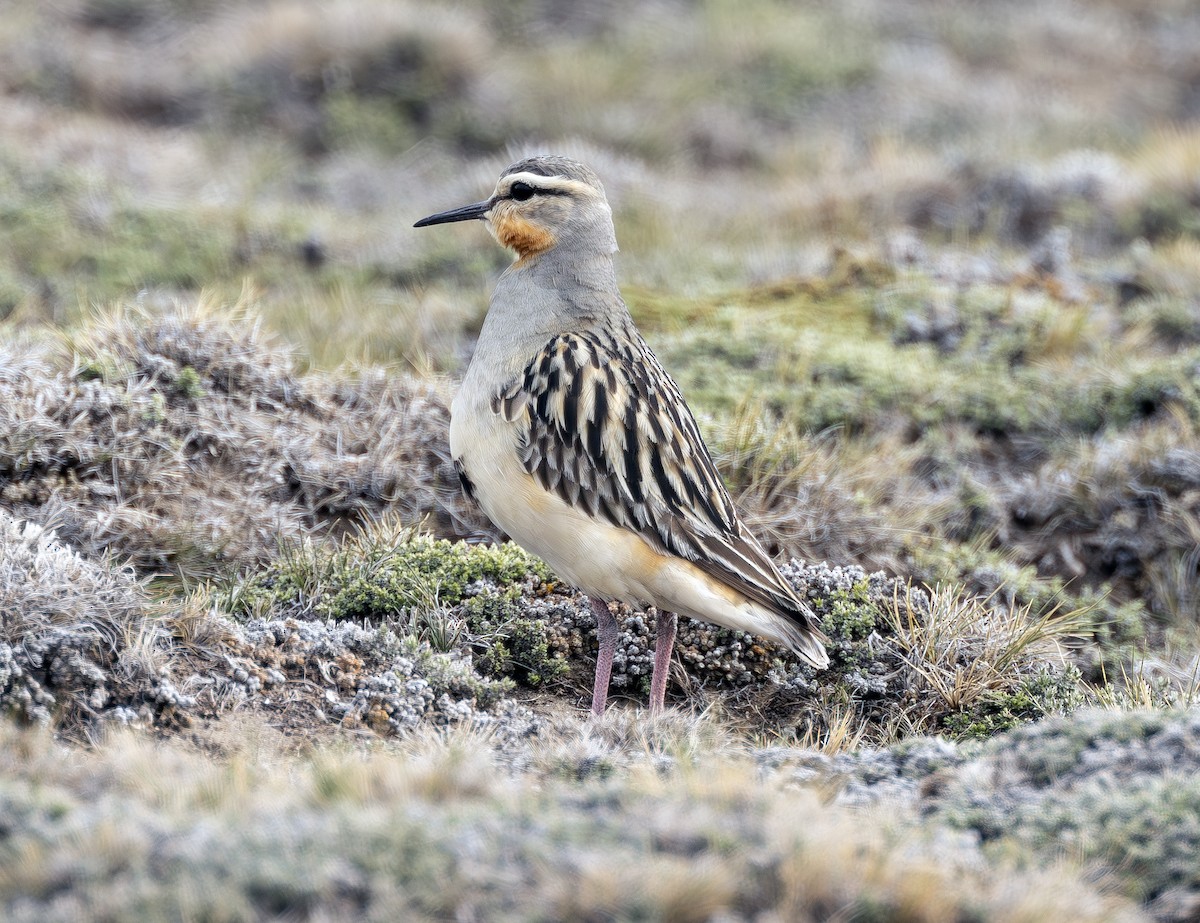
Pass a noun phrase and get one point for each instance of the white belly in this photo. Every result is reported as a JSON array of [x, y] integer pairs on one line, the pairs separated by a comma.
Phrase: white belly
[[598, 558]]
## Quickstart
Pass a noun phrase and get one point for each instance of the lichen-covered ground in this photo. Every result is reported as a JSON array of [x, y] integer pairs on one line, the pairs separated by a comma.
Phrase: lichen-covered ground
[[929, 274]]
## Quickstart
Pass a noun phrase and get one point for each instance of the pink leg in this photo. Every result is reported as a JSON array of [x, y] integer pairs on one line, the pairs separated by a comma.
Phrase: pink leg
[[606, 628], [667, 622]]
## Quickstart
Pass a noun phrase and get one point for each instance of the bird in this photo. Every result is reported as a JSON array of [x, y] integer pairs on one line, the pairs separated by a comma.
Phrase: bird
[[577, 443]]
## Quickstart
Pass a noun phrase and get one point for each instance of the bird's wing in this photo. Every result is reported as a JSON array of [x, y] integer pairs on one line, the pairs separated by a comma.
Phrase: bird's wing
[[605, 427]]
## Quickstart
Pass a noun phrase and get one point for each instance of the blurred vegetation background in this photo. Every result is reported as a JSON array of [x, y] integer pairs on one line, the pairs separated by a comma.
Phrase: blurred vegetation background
[[153, 145]]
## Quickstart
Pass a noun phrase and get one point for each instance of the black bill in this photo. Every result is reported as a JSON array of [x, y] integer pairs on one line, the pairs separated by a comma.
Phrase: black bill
[[465, 213]]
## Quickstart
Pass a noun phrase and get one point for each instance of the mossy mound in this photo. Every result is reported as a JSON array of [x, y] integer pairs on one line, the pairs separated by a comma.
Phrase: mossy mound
[[455, 596], [384, 575], [83, 644], [903, 660]]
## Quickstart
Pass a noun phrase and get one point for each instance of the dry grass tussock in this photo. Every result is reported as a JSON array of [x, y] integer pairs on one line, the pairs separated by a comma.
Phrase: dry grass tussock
[[966, 650], [188, 440], [819, 497], [910, 661], [439, 829]]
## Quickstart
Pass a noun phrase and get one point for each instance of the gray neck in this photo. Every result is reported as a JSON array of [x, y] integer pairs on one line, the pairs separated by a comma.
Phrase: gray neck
[[581, 289], [535, 300]]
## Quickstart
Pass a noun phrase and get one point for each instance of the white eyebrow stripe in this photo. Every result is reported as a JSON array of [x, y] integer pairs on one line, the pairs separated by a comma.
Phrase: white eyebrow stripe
[[553, 184]]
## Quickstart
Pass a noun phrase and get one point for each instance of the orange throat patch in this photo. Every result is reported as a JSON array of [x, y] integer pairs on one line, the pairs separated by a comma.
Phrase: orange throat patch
[[525, 238]]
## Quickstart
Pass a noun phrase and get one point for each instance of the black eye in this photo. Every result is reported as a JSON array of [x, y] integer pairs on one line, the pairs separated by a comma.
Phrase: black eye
[[521, 191]]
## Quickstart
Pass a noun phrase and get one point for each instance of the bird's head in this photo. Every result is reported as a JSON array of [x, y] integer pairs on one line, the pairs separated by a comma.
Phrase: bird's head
[[540, 204]]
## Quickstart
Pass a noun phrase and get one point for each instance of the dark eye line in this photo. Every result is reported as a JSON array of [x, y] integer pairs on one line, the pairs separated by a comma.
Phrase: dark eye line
[[522, 191]]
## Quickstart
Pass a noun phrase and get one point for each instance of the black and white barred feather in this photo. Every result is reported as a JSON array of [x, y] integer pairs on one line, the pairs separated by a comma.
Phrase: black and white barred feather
[[605, 428]]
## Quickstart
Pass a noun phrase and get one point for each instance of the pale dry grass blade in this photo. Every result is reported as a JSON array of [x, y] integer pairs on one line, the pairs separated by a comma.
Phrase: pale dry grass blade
[[964, 648], [843, 731]]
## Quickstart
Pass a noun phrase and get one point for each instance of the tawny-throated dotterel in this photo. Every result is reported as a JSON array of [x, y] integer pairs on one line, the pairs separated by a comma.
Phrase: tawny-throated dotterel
[[577, 443]]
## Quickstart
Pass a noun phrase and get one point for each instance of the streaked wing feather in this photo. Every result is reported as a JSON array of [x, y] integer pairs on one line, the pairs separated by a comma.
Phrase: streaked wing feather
[[606, 428]]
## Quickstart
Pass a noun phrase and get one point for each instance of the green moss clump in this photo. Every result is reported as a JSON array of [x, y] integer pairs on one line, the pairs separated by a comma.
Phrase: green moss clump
[[418, 573], [402, 581], [373, 580], [850, 614], [102, 366], [448, 674], [1047, 693], [187, 383], [514, 645]]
